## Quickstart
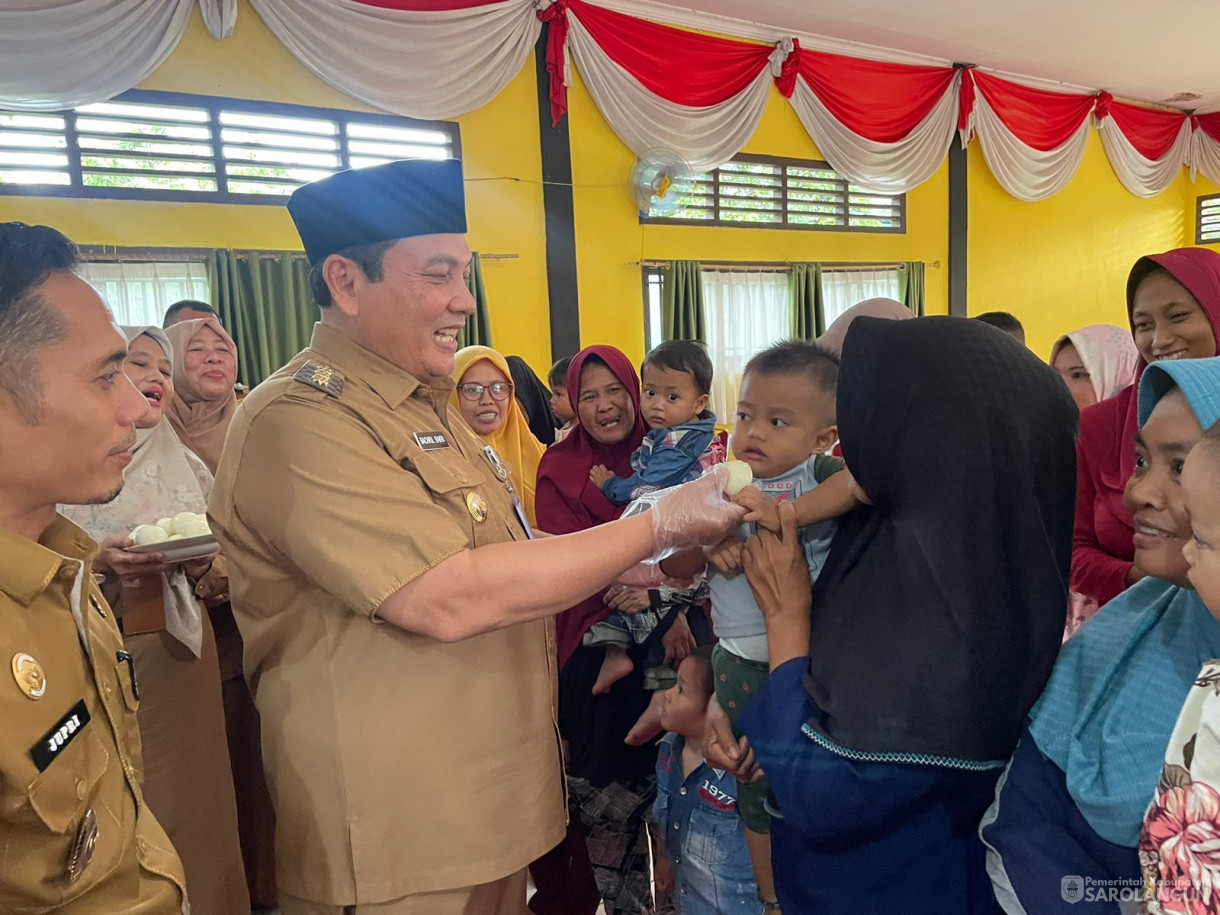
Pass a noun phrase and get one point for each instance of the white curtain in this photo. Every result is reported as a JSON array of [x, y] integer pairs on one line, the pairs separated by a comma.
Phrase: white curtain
[[422, 64], [745, 312], [843, 289], [138, 294]]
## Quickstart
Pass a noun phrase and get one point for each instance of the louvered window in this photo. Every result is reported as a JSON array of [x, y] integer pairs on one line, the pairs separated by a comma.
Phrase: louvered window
[[168, 146]]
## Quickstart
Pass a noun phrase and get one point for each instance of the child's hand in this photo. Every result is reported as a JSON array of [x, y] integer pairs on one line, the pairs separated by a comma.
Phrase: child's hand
[[762, 510], [727, 555], [599, 475], [679, 641], [628, 600], [662, 873]]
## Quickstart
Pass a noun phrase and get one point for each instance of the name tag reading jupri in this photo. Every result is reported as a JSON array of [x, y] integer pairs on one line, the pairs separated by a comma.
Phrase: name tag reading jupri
[[431, 441], [62, 733]]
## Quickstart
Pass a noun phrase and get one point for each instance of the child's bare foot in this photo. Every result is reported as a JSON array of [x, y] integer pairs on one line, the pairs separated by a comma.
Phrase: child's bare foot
[[648, 725], [616, 666]]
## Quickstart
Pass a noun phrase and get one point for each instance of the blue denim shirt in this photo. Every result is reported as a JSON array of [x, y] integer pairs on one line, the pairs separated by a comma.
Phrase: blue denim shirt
[[705, 839], [666, 457]]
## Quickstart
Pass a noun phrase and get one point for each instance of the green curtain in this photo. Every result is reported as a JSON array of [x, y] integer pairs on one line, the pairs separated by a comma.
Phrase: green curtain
[[805, 294], [264, 301], [682, 312], [478, 326], [910, 286]]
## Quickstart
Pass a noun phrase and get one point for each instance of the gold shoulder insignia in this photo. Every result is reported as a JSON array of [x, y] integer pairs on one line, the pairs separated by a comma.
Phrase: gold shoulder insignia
[[322, 377]]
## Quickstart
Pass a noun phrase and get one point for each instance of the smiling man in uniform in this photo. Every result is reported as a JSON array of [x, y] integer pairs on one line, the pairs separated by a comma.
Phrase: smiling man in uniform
[[392, 604], [75, 834]]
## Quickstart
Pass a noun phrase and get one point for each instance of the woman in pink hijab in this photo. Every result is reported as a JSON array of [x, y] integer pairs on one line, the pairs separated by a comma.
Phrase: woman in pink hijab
[[831, 342], [1096, 362]]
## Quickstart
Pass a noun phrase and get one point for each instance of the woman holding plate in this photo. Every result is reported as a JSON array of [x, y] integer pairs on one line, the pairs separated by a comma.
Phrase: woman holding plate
[[188, 782]]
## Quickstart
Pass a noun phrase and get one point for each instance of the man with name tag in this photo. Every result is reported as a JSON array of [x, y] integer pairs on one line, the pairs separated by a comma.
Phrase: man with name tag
[[75, 834], [393, 605]]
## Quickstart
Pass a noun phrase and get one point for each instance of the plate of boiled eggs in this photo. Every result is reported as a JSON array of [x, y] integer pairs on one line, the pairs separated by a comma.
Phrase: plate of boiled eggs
[[183, 537]]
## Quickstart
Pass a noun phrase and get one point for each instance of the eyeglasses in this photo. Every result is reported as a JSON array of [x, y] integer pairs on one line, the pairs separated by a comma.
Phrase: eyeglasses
[[474, 391]]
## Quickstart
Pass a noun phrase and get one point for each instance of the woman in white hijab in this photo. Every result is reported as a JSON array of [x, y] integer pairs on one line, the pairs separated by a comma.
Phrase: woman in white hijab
[[188, 781]]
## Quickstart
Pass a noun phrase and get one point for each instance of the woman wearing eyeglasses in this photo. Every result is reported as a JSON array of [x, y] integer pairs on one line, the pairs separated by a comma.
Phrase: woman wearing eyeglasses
[[484, 396]]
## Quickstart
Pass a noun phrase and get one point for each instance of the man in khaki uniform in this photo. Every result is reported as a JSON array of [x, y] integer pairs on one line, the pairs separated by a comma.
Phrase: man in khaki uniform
[[75, 834], [414, 767]]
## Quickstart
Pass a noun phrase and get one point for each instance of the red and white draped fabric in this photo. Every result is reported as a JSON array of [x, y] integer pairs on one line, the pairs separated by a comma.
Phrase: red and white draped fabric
[[1146, 147], [1205, 146], [658, 86], [57, 54], [886, 127], [433, 59], [1033, 139]]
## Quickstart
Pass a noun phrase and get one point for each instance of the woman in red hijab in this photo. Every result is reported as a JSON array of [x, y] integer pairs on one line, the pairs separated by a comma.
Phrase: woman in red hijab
[[1173, 304], [604, 393]]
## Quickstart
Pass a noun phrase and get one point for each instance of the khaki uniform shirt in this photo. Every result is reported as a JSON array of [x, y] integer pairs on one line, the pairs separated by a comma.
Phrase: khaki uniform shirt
[[397, 764], [70, 760]]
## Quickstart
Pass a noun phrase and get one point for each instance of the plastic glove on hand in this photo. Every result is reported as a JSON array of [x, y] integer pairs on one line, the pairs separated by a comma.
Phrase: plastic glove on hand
[[698, 513]]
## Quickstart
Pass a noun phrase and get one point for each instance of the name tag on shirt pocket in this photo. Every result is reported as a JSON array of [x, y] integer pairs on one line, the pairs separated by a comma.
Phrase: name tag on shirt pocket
[[430, 441], [65, 789]]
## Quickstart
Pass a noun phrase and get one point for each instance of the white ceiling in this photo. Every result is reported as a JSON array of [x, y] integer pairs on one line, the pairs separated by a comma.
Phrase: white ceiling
[[1148, 50]]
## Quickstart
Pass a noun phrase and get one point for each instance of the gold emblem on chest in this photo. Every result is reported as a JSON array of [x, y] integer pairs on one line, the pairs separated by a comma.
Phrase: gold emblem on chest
[[477, 506], [29, 675]]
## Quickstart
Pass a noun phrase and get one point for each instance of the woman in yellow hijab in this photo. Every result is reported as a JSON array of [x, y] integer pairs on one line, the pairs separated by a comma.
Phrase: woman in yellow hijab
[[484, 396]]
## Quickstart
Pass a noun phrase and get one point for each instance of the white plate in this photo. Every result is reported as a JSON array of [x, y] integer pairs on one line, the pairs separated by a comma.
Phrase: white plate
[[182, 550]]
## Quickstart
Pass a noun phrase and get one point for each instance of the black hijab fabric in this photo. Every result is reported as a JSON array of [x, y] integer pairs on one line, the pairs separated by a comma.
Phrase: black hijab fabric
[[535, 400], [939, 613]]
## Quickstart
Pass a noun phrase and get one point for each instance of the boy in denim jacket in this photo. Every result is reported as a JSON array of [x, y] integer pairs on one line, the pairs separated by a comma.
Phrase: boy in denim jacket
[[701, 857]]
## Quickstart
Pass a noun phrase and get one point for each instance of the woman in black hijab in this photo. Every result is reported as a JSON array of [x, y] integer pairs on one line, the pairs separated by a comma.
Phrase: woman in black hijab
[[535, 400], [893, 707]]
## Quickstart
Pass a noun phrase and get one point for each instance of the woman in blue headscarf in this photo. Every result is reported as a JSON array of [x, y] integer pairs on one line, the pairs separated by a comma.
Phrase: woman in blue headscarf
[[1063, 832]]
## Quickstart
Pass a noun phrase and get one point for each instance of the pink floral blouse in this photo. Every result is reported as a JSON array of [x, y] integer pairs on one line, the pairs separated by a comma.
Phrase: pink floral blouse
[[1179, 845]]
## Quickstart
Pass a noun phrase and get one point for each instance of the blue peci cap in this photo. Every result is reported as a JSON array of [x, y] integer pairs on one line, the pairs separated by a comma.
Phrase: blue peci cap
[[1199, 380], [366, 205]]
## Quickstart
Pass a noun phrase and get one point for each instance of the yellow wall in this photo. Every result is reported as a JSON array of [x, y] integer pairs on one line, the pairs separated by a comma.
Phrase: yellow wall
[[609, 235], [1062, 263], [500, 149]]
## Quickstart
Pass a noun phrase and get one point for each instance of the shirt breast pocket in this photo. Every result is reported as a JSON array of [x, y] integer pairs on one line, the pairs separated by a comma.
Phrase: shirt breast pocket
[[460, 489], [442, 480], [41, 823], [712, 835]]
